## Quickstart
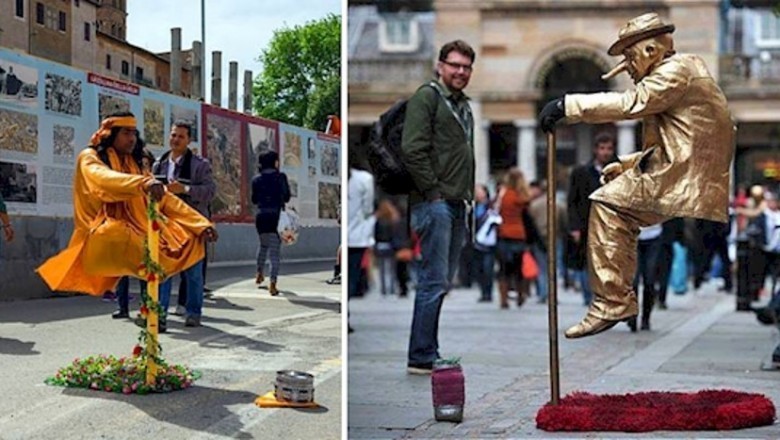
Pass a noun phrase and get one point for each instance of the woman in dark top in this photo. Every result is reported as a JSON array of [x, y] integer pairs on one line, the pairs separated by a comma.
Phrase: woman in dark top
[[270, 191]]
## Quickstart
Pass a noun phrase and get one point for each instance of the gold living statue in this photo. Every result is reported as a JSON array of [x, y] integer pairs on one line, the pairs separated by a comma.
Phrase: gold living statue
[[682, 169]]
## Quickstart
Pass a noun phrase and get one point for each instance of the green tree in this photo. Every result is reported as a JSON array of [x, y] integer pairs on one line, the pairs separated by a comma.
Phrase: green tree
[[301, 79]]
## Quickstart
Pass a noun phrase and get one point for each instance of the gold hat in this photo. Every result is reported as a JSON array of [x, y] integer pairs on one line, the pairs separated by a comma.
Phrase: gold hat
[[637, 29]]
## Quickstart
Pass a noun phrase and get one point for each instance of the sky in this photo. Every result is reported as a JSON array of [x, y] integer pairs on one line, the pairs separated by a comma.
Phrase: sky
[[241, 29]]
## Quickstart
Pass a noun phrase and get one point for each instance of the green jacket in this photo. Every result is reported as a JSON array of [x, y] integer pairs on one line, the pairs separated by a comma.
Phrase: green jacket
[[438, 150]]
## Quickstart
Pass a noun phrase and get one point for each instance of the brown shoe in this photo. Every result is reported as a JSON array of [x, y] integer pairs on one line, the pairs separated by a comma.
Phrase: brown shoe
[[272, 289], [259, 278], [592, 324]]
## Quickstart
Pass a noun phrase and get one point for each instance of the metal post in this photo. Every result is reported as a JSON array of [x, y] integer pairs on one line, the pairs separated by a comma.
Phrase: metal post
[[552, 285]]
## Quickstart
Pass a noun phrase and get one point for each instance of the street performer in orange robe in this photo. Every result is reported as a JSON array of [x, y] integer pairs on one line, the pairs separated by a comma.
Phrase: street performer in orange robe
[[110, 217], [682, 171]]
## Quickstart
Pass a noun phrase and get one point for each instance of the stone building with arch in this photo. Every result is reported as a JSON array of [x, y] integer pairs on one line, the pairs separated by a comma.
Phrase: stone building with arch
[[528, 51]]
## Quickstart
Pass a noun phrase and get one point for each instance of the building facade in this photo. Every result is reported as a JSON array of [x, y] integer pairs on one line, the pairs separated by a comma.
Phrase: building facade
[[531, 51], [89, 35]]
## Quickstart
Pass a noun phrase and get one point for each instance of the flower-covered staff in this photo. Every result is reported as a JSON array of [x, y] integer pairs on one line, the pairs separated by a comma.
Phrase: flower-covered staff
[[682, 171], [110, 217]]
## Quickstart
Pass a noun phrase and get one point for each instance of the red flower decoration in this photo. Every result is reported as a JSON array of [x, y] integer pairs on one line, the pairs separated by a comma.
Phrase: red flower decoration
[[151, 277], [144, 310], [155, 225], [137, 350]]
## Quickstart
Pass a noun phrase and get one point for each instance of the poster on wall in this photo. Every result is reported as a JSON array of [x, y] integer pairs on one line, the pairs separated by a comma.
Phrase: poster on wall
[[63, 95], [64, 141], [18, 135], [222, 148], [329, 200], [154, 121], [18, 84], [261, 134]]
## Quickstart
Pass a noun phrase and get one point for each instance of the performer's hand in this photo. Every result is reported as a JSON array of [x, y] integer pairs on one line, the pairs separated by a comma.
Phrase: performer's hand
[[156, 190], [176, 187], [210, 234], [552, 112], [576, 236], [610, 172]]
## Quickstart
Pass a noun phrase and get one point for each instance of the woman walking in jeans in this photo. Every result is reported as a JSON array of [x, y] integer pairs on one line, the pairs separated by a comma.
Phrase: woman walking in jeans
[[270, 191]]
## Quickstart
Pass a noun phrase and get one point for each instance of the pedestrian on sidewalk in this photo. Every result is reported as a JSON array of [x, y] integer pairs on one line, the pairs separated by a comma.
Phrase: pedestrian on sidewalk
[[682, 169], [361, 221], [647, 270], [438, 153], [512, 204], [110, 213], [485, 242], [584, 181], [189, 177], [270, 192], [673, 232]]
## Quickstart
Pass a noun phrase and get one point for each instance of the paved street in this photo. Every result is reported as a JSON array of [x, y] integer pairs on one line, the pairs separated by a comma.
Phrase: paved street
[[699, 343], [246, 337]]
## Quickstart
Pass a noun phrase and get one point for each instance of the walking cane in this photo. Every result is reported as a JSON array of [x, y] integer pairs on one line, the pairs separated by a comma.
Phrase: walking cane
[[552, 285]]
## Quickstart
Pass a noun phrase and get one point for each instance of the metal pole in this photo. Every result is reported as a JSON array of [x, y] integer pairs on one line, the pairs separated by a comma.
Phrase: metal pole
[[203, 49], [552, 285]]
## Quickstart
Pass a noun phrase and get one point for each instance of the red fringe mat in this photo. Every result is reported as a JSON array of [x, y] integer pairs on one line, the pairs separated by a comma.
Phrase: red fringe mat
[[707, 410]]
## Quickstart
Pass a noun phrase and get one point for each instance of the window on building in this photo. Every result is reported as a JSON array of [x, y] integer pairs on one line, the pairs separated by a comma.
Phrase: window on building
[[63, 21], [399, 33], [39, 13], [139, 72], [113, 30], [768, 29], [51, 18], [87, 32], [125, 68], [108, 62], [78, 3], [20, 8]]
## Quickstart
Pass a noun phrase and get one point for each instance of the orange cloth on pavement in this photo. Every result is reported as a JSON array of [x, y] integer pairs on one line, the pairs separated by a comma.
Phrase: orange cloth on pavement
[[511, 210], [268, 400], [109, 228]]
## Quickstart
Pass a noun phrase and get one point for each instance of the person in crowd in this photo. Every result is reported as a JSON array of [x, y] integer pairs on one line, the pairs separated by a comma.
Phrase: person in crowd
[[110, 218], [485, 242], [438, 152], [270, 192], [513, 200], [673, 232], [584, 181], [646, 271], [5, 220], [189, 177], [682, 170], [537, 211], [385, 244], [361, 219]]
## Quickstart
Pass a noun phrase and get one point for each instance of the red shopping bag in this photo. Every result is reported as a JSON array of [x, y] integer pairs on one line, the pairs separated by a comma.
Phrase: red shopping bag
[[529, 268]]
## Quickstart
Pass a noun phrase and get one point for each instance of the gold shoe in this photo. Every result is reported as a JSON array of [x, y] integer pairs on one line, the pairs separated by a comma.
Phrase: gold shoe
[[589, 326]]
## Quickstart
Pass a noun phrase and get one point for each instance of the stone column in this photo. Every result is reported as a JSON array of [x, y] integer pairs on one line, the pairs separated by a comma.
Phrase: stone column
[[248, 92], [626, 138], [175, 61], [481, 144], [233, 85], [216, 78], [196, 89], [526, 148]]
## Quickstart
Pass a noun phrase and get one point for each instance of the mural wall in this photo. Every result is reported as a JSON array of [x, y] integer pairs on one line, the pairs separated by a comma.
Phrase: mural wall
[[49, 111]]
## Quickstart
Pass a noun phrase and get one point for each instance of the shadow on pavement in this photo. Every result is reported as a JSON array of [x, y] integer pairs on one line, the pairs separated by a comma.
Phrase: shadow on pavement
[[314, 302], [200, 409], [17, 347]]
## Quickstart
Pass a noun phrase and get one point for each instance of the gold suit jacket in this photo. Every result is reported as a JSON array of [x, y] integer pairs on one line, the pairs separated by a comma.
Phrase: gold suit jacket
[[687, 142]]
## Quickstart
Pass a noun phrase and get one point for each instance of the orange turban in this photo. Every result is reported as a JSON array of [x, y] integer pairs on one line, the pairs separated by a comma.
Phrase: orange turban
[[105, 128]]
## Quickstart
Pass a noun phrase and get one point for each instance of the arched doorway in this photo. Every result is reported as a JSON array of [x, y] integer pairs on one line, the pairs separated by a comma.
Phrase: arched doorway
[[571, 71]]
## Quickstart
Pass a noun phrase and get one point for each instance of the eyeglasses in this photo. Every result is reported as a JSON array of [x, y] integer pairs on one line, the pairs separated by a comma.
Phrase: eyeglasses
[[457, 66]]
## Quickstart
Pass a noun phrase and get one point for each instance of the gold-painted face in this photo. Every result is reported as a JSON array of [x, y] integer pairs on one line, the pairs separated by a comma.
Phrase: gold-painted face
[[641, 57]]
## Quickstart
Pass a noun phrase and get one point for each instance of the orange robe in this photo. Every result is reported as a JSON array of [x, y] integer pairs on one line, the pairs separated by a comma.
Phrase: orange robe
[[110, 221]]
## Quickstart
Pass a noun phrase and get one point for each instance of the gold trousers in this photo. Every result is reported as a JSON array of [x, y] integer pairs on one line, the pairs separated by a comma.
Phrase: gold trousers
[[612, 247]]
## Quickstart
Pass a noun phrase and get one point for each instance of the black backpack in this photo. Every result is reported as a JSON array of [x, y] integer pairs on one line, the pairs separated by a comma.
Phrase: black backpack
[[384, 151]]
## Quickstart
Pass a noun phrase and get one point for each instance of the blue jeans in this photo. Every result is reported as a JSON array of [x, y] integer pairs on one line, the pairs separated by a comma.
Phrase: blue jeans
[[485, 262], [441, 228], [541, 281], [194, 277], [582, 277], [123, 292]]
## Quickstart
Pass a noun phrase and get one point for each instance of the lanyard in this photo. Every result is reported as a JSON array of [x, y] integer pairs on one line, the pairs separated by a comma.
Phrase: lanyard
[[465, 121]]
